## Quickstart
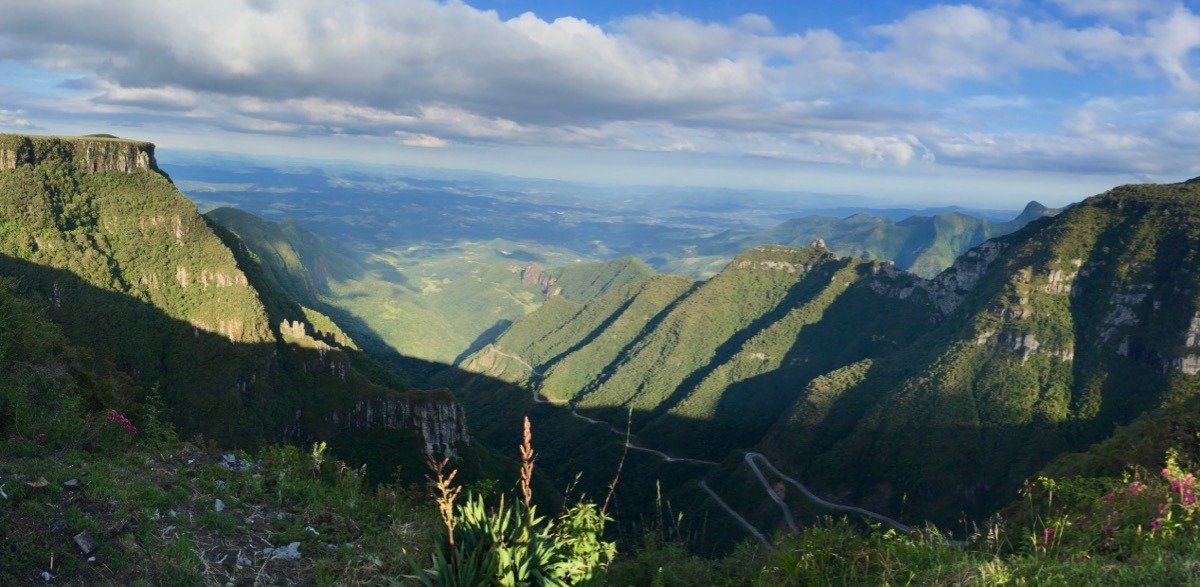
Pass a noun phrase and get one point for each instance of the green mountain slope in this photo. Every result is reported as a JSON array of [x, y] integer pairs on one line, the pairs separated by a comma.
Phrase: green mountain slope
[[129, 270], [435, 307], [923, 398], [1070, 327], [583, 282], [328, 277]]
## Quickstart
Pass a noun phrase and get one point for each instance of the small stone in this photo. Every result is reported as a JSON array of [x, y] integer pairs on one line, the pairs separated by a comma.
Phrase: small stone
[[72, 485], [228, 458], [218, 505], [47, 577], [279, 516], [58, 527], [91, 559], [39, 483], [87, 545], [313, 530], [331, 548], [220, 483], [243, 560], [289, 552]]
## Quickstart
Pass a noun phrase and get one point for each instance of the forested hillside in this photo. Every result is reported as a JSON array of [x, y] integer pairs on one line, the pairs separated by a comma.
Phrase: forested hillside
[[925, 399], [125, 265]]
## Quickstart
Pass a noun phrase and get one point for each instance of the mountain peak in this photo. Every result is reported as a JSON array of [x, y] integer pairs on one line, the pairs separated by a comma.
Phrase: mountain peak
[[1034, 210], [1034, 207]]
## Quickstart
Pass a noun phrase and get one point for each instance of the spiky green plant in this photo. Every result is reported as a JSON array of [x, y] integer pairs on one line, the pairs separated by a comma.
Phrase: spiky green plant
[[511, 544]]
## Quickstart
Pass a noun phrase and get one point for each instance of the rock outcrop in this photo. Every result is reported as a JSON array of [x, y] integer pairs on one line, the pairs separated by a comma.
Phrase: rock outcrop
[[534, 276], [87, 154], [435, 416], [947, 290]]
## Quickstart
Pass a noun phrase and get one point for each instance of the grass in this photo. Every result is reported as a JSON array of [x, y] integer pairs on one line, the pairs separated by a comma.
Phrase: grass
[[152, 513]]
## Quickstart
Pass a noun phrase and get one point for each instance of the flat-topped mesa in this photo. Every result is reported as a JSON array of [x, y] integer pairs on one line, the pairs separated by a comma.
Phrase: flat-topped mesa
[[89, 154]]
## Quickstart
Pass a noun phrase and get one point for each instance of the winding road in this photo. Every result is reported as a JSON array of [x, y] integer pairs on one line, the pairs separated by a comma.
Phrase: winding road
[[740, 520], [752, 460], [750, 457]]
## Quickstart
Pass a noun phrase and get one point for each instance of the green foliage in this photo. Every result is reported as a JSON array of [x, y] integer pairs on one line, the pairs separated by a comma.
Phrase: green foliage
[[426, 305], [511, 545], [584, 282], [123, 266], [152, 513]]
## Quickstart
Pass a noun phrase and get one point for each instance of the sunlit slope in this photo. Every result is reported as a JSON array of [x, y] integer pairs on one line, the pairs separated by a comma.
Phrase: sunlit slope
[[326, 275], [128, 269], [570, 345], [583, 282]]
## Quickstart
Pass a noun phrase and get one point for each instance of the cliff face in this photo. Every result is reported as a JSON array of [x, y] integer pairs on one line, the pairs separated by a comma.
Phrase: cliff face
[[129, 269], [534, 276], [86, 154]]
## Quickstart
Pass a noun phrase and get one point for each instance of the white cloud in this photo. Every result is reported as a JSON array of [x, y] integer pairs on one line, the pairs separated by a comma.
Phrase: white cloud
[[14, 119], [426, 141], [434, 74]]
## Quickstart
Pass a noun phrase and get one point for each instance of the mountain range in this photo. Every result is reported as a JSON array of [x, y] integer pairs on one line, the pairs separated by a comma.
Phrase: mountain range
[[827, 368], [1030, 346]]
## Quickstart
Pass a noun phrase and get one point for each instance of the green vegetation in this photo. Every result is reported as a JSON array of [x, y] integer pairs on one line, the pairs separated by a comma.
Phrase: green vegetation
[[124, 266], [1034, 345], [584, 282], [433, 305], [1037, 399]]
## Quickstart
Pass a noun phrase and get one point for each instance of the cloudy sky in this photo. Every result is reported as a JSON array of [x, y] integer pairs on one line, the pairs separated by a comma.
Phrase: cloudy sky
[[979, 104]]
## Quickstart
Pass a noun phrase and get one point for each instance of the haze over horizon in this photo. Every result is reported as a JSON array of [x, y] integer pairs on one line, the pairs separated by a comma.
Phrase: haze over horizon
[[988, 104]]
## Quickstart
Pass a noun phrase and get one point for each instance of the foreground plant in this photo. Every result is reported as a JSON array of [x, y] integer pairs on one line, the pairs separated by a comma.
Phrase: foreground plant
[[511, 544]]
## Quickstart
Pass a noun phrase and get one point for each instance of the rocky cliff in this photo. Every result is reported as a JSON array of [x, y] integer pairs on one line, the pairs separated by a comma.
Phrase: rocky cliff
[[128, 268], [534, 275], [93, 154]]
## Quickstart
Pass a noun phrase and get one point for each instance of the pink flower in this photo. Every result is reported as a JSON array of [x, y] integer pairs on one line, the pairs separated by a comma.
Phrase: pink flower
[[1189, 497], [1166, 473], [1048, 534], [1135, 487], [119, 418], [1156, 524]]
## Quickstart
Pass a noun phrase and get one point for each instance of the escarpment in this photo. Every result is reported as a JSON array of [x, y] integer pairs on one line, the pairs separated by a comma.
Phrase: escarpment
[[86, 154], [128, 268]]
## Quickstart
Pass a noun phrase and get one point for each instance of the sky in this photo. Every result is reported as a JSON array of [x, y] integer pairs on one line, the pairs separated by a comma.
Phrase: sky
[[990, 103]]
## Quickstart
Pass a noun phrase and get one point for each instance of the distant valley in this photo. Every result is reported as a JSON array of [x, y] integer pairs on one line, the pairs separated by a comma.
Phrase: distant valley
[[437, 268]]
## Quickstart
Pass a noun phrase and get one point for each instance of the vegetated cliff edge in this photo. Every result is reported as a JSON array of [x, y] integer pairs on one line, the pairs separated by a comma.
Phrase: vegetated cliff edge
[[125, 264], [91, 154]]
